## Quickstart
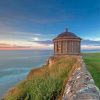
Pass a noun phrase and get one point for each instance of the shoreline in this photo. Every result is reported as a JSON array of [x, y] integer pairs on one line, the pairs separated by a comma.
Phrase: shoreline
[[43, 64]]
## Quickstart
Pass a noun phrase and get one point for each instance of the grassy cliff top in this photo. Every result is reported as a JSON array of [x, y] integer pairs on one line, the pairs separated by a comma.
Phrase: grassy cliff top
[[44, 83], [92, 61]]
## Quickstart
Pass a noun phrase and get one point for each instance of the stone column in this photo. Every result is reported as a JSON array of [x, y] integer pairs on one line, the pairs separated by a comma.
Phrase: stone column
[[66, 46], [60, 47], [57, 48], [72, 46], [63, 46], [54, 47], [79, 46], [75, 47]]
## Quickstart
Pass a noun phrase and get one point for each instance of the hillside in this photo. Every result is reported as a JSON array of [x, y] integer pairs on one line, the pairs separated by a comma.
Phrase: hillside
[[44, 83], [60, 78], [92, 61]]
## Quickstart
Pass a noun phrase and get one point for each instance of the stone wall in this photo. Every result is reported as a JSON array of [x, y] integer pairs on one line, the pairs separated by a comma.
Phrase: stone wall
[[80, 85]]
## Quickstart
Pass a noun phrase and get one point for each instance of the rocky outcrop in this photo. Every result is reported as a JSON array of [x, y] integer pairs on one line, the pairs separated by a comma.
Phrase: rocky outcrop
[[81, 86]]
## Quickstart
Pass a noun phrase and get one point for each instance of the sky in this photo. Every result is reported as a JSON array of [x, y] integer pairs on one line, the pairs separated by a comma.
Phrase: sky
[[32, 24]]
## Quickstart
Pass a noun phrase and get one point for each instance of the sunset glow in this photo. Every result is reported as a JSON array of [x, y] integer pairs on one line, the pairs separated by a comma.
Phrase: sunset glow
[[33, 24]]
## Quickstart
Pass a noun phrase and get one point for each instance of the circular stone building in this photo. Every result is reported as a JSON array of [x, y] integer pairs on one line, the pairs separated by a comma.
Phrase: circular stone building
[[67, 43]]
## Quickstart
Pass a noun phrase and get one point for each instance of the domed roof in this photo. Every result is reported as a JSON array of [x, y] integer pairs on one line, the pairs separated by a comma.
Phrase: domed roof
[[68, 35]]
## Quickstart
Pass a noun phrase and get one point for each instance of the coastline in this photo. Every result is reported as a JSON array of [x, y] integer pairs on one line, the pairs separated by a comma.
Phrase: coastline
[[45, 63], [48, 72], [15, 70]]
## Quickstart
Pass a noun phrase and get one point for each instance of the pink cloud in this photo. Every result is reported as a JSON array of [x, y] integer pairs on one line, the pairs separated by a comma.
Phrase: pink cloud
[[4, 46], [13, 47]]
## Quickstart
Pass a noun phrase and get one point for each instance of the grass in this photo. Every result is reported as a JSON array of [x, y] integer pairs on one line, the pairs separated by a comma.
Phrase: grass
[[92, 61], [44, 83]]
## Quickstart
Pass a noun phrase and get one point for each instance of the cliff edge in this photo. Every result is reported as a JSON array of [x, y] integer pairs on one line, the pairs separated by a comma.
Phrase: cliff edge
[[61, 78]]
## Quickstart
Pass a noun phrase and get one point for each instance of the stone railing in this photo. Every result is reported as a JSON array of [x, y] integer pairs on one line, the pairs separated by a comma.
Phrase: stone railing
[[81, 86]]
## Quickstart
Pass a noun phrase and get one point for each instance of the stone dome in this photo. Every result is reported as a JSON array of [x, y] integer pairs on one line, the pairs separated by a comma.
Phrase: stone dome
[[68, 35]]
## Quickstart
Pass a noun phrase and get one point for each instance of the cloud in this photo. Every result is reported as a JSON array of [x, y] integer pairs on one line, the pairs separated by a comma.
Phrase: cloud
[[8, 32], [37, 43], [85, 45], [38, 14], [17, 20], [13, 45], [35, 39], [91, 42], [90, 45], [10, 38], [46, 42], [4, 46]]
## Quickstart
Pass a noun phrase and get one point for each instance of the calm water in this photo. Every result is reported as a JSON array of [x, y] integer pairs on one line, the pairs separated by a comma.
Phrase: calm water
[[15, 65]]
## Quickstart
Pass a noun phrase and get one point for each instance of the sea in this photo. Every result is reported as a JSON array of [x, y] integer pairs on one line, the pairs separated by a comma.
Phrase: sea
[[16, 64]]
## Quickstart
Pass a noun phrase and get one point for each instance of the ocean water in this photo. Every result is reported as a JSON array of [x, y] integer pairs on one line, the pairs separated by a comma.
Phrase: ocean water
[[15, 65]]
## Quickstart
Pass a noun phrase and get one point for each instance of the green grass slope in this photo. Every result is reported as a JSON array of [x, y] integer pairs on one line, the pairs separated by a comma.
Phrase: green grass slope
[[44, 83], [92, 61]]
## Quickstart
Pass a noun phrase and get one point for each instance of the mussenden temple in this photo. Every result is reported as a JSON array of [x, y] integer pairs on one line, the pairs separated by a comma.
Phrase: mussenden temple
[[67, 43]]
